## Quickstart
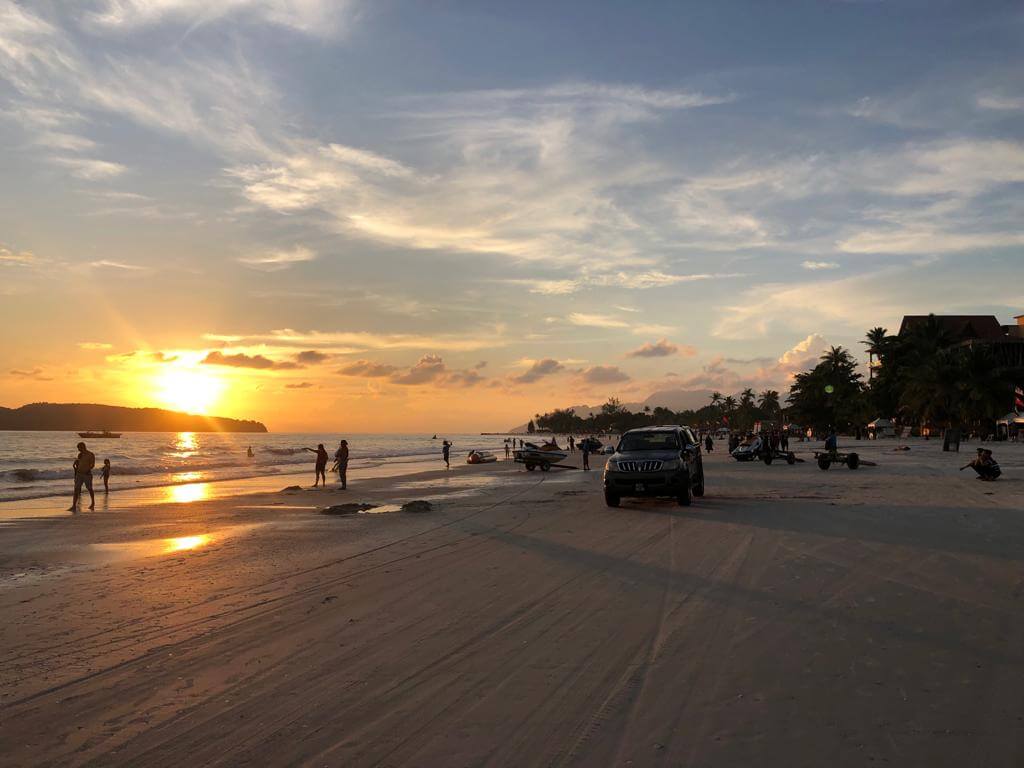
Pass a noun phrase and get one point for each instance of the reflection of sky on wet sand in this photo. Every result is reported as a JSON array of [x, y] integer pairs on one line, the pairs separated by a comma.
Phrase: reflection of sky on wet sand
[[182, 543]]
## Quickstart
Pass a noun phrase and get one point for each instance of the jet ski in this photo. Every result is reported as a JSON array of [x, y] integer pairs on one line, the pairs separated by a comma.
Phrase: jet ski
[[543, 456], [480, 457]]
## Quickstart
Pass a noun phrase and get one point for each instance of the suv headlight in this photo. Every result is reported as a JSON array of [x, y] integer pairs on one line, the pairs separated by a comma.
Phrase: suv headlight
[[671, 464], [612, 464]]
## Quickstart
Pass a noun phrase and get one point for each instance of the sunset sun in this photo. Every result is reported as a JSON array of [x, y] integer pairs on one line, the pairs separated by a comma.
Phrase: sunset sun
[[188, 390]]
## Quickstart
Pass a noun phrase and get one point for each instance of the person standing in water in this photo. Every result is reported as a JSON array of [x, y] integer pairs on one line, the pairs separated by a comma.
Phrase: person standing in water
[[249, 452], [446, 453], [105, 473], [341, 463], [585, 450], [321, 464], [83, 476]]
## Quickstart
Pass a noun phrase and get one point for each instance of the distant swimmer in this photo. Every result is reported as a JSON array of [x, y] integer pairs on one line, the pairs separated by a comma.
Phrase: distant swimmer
[[446, 452], [83, 476], [321, 464], [249, 452], [341, 463], [105, 472]]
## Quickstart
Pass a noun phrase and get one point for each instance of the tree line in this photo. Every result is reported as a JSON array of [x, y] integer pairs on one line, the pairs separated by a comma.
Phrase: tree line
[[922, 378]]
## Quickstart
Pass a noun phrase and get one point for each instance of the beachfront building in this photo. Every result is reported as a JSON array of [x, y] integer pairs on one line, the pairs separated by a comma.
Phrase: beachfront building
[[1006, 342]]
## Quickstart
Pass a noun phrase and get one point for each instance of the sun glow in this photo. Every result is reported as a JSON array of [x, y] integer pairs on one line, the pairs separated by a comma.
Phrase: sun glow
[[188, 390]]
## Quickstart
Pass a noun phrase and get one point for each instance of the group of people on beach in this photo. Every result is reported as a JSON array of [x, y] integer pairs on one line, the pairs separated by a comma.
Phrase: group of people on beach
[[84, 464], [340, 464]]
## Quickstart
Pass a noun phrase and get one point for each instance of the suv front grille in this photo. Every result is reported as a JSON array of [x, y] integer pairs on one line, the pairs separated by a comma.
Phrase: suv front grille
[[639, 466]]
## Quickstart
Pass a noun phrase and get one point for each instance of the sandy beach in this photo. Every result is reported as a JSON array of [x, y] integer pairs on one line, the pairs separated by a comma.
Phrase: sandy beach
[[792, 617]]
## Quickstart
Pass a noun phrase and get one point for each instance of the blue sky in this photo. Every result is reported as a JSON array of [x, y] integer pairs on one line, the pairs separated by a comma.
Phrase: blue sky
[[551, 189]]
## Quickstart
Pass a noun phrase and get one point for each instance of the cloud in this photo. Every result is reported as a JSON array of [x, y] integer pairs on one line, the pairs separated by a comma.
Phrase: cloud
[[427, 369], [91, 169], [356, 341], [603, 374], [596, 321], [162, 357], [538, 370], [468, 378], [299, 385], [108, 264], [9, 258], [94, 345], [240, 360], [320, 18], [816, 265], [36, 374], [661, 348], [368, 369], [273, 261], [311, 357]]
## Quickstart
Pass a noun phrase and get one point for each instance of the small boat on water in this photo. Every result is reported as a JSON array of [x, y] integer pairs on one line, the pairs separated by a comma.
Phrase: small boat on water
[[480, 457], [99, 435], [544, 456]]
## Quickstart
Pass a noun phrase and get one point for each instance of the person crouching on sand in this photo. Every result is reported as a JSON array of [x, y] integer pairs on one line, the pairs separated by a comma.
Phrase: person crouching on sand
[[83, 476], [321, 464], [105, 473], [986, 466], [341, 463]]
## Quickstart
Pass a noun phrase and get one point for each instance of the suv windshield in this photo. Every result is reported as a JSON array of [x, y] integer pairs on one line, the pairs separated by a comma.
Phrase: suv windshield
[[649, 441]]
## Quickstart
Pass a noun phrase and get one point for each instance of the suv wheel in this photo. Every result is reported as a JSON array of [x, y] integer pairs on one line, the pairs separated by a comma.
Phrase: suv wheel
[[684, 497], [611, 499], [698, 490]]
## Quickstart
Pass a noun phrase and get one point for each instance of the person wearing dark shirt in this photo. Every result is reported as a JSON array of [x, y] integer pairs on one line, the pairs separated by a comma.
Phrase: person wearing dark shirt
[[446, 452], [341, 463], [105, 474], [84, 465], [321, 464]]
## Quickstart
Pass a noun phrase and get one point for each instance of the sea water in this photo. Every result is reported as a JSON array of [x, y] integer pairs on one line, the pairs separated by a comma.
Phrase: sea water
[[37, 465]]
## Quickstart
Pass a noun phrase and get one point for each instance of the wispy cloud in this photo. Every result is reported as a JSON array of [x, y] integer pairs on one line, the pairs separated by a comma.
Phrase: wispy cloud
[[36, 374], [539, 370], [256, 362], [817, 265], [368, 369], [603, 374], [272, 261], [662, 348], [94, 345]]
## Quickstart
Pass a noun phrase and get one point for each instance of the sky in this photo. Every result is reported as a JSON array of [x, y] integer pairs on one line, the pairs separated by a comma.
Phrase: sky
[[429, 216]]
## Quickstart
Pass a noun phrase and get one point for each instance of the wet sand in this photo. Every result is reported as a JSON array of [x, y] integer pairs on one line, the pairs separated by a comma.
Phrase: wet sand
[[791, 617]]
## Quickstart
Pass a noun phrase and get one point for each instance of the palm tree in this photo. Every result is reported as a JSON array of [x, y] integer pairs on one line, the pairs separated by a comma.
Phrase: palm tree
[[746, 398], [876, 341], [729, 404], [716, 398], [769, 402]]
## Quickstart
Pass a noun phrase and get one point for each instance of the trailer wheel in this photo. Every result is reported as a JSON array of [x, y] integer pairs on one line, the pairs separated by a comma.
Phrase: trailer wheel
[[824, 462], [768, 458], [545, 466], [853, 461], [791, 458]]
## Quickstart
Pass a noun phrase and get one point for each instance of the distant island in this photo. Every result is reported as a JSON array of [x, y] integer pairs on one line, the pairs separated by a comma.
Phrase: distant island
[[74, 417]]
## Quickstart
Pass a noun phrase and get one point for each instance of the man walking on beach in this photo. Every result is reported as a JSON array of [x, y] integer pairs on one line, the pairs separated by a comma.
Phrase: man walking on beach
[[341, 461], [585, 450], [83, 476], [446, 452]]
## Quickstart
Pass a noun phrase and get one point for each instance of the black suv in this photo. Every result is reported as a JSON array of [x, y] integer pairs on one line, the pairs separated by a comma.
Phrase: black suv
[[655, 461]]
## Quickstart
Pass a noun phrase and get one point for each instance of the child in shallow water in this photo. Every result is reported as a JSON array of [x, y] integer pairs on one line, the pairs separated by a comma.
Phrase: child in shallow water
[[105, 472]]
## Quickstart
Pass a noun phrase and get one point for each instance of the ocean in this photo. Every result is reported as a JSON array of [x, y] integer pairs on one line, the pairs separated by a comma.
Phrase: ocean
[[35, 465]]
